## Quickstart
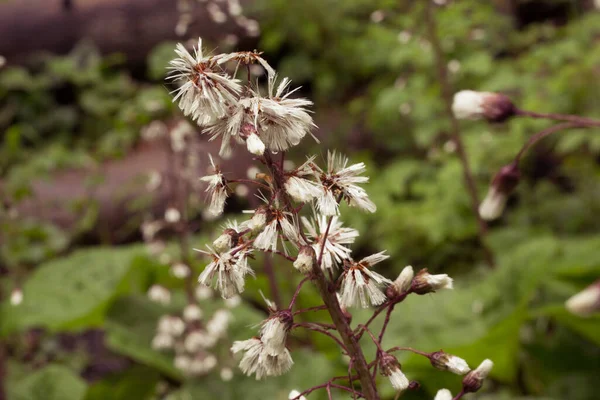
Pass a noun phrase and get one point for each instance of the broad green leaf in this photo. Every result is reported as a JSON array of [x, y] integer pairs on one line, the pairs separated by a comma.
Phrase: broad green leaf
[[53, 382]]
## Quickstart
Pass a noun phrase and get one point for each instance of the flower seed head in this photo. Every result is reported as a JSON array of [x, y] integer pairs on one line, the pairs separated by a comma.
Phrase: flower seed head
[[226, 241], [424, 282], [473, 381], [255, 145], [447, 362], [273, 333]]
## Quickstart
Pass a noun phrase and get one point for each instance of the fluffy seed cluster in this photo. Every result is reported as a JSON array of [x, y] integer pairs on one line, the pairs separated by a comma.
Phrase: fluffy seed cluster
[[360, 285]]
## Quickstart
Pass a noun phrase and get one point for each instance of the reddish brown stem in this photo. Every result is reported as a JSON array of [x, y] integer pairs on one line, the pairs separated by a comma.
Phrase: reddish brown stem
[[542, 134], [317, 308], [312, 327], [295, 296], [575, 119], [274, 287], [447, 94], [393, 349]]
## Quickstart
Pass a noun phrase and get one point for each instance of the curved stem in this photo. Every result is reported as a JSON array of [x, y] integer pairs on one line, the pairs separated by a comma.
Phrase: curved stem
[[447, 94], [295, 296], [542, 134], [576, 119]]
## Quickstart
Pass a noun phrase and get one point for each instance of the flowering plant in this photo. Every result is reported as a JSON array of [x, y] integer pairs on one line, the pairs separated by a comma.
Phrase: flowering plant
[[269, 124]]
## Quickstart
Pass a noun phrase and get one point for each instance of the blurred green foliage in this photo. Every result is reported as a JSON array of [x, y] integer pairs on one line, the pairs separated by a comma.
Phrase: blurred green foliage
[[376, 78]]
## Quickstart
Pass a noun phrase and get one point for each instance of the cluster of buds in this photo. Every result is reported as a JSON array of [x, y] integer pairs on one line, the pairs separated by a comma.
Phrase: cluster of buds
[[317, 246]]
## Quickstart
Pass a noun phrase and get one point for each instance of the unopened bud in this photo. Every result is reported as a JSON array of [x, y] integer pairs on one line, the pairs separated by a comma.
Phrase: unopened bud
[[305, 260], [425, 283], [390, 367], [226, 241], [258, 220], [295, 395], [502, 186], [162, 341], [159, 294], [494, 107], [443, 394], [402, 283], [180, 270], [447, 362], [255, 145], [172, 215], [473, 381], [586, 302]]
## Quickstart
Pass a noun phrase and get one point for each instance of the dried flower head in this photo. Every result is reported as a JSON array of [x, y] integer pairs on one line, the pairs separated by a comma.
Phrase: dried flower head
[[230, 269], [305, 260], [473, 381], [402, 283], [217, 190], [274, 331], [424, 282], [448, 362], [390, 367], [334, 243], [258, 361], [363, 286], [494, 107]]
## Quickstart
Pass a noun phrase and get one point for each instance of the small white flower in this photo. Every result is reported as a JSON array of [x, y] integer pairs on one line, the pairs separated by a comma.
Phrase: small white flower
[[16, 297], [267, 239], [255, 145], [586, 302], [159, 294], [257, 361], [335, 250], [180, 270], [171, 325], [183, 363], [363, 286], [483, 370], [192, 312], [473, 381], [424, 282], [493, 205], [301, 190], [258, 220], [223, 242], [468, 104], [230, 269], [217, 189], [195, 341], [404, 280], [162, 341], [226, 374], [206, 91], [294, 395], [341, 180], [443, 394]]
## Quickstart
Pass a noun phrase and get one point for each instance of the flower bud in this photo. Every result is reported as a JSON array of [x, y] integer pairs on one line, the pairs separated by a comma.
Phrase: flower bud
[[162, 341], [473, 381], [294, 395], [305, 260], [172, 215], [447, 362], [425, 283], [586, 302], [502, 186], [494, 107], [402, 283], [390, 367], [443, 394], [226, 241], [226, 374], [16, 297], [258, 220], [180, 270]]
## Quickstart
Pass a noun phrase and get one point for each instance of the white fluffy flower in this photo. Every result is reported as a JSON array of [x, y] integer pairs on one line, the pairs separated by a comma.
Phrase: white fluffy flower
[[217, 190], [294, 395], [301, 189], [162, 341], [443, 394], [230, 269], [258, 220], [281, 122], [586, 302], [268, 238], [335, 250], [363, 286], [341, 181], [274, 332], [449, 362], [305, 260], [205, 90], [180, 270], [390, 367], [170, 325], [219, 322], [257, 361]]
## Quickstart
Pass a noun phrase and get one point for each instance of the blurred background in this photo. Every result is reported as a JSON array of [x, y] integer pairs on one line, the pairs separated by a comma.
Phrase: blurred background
[[91, 211]]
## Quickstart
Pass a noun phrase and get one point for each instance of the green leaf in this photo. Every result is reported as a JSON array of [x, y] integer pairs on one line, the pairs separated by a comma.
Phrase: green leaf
[[137, 383], [51, 383], [71, 292]]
